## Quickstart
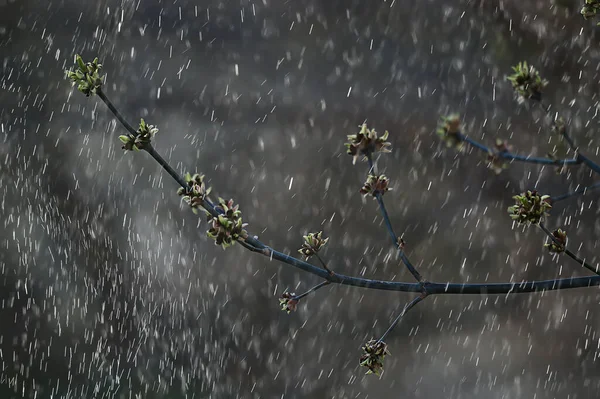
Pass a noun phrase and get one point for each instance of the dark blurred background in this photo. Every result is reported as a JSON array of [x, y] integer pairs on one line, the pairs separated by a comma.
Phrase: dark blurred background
[[110, 287]]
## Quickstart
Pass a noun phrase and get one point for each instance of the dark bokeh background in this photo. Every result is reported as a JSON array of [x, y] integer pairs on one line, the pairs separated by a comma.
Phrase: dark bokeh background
[[110, 287]]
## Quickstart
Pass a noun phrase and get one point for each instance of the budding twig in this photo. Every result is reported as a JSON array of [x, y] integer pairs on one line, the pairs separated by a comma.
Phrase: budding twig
[[581, 158], [567, 251], [390, 229], [289, 300]]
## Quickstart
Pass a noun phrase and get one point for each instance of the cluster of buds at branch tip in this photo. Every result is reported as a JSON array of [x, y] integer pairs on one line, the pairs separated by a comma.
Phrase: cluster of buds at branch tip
[[559, 243], [313, 242], [366, 142], [86, 76], [228, 227], [449, 131], [376, 184], [530, 207], [527, 83], [590, 9], [143, 138], [288, 302], [496, 162], [196, 193], [374, 353]]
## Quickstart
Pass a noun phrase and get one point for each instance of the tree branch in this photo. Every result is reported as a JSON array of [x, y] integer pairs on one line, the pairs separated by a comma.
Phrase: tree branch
[[227, 226], [257, 246]]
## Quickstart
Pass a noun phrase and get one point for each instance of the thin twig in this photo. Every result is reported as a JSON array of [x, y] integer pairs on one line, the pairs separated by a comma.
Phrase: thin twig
[[573, 193], [520, 158], [588, 162], [407, 307], [313, 289], [568, 252], [578, 155], [390, 229], [323, 263]]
